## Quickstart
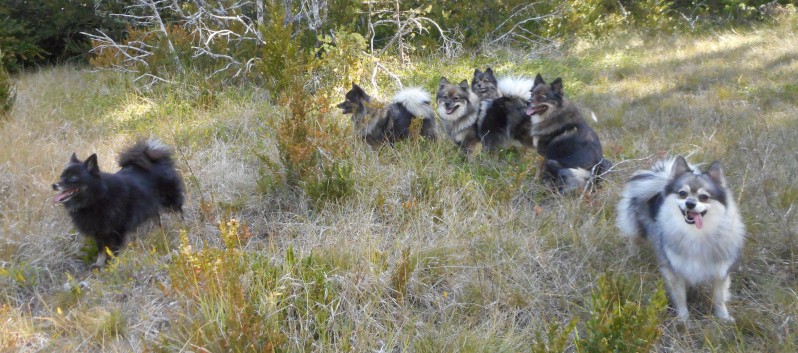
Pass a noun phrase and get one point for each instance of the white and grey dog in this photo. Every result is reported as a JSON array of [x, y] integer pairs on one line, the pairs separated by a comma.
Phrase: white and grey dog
[[690, 218]]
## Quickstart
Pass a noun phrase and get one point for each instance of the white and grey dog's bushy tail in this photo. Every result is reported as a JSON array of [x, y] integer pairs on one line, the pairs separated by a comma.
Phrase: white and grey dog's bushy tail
[[516, 87], [416, 101], [633, 212]]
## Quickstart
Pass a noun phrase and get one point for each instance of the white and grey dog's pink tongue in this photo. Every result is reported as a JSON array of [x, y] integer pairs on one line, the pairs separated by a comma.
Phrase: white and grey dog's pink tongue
[[699, 220]]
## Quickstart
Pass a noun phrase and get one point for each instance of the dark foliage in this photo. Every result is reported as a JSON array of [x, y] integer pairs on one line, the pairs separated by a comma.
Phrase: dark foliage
[[46, 32]]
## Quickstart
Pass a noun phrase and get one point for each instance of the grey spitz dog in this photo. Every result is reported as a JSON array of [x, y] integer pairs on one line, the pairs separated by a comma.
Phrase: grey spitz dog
[[377, 123], [503, 121], [693, 224], [573, 157], [458, 108]]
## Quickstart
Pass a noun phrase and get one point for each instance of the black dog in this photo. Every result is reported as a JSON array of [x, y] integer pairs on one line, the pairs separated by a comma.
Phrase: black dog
[[106, 207], [502, 118], [570, 147], [377, 123]]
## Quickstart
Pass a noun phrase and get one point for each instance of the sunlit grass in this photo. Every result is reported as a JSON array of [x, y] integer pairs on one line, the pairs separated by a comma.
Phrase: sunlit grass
[[428, 250]]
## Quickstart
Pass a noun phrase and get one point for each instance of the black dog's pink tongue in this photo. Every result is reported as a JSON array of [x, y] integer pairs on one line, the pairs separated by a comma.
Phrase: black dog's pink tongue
[[62, 195], [699, 220]]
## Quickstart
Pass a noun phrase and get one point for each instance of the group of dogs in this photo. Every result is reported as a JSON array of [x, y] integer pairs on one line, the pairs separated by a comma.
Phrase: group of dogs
[[687, 214], [497, 113]]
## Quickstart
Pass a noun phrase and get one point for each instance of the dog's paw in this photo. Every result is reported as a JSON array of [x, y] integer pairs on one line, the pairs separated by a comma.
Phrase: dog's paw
[[723, 314]]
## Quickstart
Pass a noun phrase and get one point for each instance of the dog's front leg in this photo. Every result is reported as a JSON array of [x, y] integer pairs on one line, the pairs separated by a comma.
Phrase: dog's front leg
[[677, 288], [720, 294], [102, 255]]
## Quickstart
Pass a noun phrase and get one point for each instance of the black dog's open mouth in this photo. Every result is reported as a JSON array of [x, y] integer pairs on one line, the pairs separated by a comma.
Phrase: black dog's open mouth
[[693, 217], [451, 110], [65, 195], [537, 109], [345, 108]]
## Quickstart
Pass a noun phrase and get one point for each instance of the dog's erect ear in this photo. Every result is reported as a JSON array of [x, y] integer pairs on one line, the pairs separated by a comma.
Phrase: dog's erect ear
[[556, 87], [539, 80], [680, 167], [91, 164], [359, 92], [489, 71], [74, 158], [715, 173], [443, 82], [464, 85], [477, 72]]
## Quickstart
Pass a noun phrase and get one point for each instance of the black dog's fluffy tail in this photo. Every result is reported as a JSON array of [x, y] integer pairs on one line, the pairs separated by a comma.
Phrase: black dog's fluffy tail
[[154, 158]]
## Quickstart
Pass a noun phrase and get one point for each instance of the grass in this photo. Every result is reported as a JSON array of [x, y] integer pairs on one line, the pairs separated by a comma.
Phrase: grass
[[410, 248]]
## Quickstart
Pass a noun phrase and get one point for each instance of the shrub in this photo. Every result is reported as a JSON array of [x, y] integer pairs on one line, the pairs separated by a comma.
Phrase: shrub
[[312, 147], [619, 319], [35, 32], [7, 93], [239, 301], [342, 61]]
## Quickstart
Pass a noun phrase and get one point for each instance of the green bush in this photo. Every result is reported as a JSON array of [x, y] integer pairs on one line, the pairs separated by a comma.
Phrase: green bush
[[620, 320], [7, 95], [36, 32], [233, 300], [334, 183]]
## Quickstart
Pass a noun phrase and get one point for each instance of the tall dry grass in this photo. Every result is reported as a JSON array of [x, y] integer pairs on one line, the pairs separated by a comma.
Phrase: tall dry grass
[[430, 252]]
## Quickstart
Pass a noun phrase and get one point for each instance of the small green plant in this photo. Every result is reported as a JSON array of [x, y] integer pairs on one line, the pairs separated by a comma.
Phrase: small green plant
[[555, 340], [312, 148], [334, 183], [241, 301], [620, 321], [342, 60], [283, 62]]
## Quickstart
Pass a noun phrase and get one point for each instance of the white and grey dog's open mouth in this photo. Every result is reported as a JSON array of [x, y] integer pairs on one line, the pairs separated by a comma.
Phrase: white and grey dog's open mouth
[[451, 110], [537, 109], [693, 217]]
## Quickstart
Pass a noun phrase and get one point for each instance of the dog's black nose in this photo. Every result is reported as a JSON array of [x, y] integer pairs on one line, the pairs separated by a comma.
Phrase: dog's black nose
[[690, 204], [55, 187]]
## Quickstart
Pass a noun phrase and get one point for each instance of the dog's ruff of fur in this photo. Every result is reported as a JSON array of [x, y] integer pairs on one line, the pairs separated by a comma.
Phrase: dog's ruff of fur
[[688, 253]]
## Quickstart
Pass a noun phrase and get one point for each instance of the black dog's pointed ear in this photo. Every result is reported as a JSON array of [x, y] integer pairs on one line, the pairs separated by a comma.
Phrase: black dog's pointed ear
[[443, 82], [74, 158], [539, 80], [477, 72], [91, 164], [464, 85], [680, 167], [715, 173], [489, 71], [356, 88], [556, 86]]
